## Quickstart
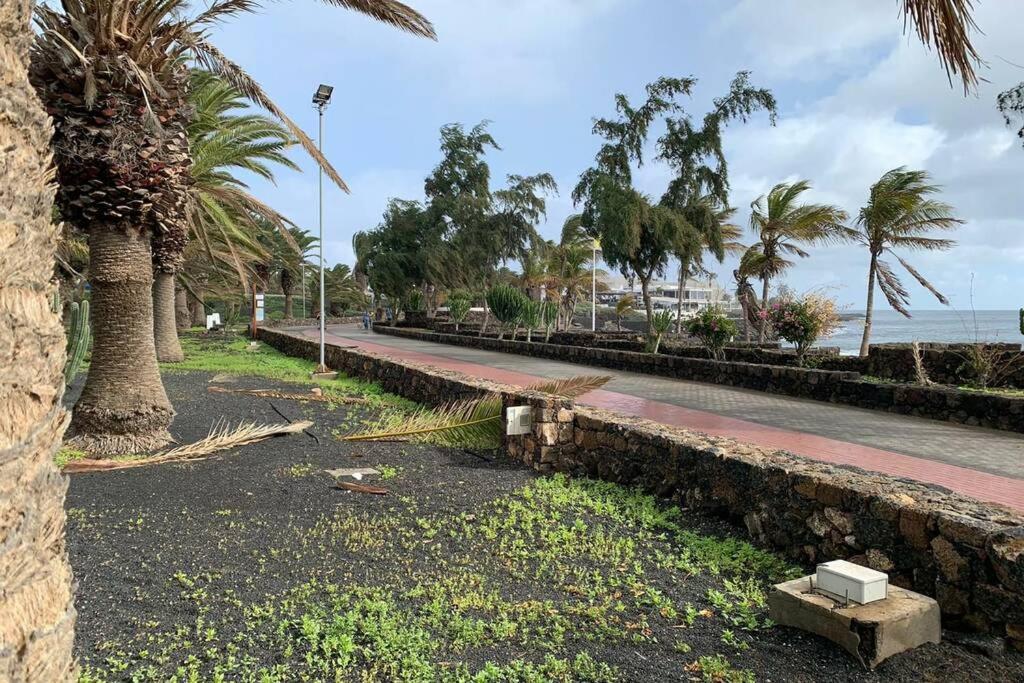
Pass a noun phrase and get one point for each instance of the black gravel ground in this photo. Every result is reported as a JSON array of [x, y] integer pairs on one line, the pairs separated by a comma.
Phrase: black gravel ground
[[252, 566]]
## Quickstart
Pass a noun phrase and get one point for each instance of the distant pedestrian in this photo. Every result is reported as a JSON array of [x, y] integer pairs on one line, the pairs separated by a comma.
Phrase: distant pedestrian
[[366, 320]]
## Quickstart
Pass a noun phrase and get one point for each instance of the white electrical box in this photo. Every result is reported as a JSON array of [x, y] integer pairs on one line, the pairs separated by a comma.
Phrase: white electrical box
[[848, 581], [518, 420]]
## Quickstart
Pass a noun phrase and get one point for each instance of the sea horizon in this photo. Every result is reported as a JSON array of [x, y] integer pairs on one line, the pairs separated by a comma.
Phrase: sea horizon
[[929, 325]]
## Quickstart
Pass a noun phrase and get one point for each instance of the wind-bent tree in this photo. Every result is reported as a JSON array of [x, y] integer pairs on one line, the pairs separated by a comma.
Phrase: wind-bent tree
[[898, 215], [782, 224], [113, 75], [700, 188], [37, 617], [520, 206]]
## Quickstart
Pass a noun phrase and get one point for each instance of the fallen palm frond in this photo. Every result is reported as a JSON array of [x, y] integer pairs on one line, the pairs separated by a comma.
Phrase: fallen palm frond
[[221, 437], [571, 387], [476, 422], [273, 393], [471, 423]]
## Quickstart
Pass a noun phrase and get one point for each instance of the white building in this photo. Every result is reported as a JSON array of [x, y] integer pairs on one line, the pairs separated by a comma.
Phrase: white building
[[697, 294]]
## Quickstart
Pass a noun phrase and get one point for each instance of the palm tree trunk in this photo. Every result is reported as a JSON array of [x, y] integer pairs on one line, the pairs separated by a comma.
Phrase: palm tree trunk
[[198, 311], [165, 329], [182, 317], [123, 407], [869, 308], [763, 329], [37, 616]]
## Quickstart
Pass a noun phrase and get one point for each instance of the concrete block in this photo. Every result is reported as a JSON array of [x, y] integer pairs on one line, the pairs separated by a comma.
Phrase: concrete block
[[872, 633]]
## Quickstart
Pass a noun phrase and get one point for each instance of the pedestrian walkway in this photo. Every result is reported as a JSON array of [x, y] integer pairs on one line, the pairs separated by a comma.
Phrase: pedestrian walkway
[[982, 463]]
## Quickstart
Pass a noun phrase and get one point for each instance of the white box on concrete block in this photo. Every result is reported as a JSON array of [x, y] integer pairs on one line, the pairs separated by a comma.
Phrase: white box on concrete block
[[851, 581]]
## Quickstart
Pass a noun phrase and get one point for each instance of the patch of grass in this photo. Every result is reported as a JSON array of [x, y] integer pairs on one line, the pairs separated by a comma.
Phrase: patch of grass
[[388, 471], [528, 587], [66, 454], [232, 354]]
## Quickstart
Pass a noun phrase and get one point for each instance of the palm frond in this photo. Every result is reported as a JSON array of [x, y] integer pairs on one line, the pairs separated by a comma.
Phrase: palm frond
[[947, 25], [924, 282], [220, 438], [471, 423], [571, 387]]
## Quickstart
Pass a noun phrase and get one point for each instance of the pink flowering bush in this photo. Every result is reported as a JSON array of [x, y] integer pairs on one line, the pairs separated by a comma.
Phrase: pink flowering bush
[[713, 329], [804, 321]]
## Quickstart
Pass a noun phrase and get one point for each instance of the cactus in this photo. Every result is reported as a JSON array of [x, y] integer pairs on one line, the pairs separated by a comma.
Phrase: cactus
[[507, 304], [458, 308], [530, 317], [549, 317], [79, 333]]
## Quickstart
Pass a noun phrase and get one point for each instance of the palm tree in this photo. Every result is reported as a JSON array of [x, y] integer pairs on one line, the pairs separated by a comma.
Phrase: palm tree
[[291, 263], [623, 307], [37, 617], [113, 75], [782, 225], [898, 215]]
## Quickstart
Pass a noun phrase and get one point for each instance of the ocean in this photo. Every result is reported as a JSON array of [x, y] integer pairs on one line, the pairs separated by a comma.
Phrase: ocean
[[930, 326]]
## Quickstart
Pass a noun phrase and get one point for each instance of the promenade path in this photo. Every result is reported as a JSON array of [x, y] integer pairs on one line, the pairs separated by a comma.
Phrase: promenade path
[[983, 463]]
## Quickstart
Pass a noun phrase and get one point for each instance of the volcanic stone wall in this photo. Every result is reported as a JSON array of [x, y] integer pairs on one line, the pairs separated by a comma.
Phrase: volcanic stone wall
[[967, 554]]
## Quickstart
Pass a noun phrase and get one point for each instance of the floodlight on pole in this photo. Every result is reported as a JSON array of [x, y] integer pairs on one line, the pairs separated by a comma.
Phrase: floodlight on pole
[[320, 99]]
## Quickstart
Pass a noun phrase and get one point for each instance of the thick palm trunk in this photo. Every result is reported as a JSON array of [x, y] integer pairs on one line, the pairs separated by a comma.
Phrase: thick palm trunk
[[198, 312], [182, 316], [37, 616], [288, 306], [287, 284], [763, 328], [123, 407], [869, 308], [165, 328]]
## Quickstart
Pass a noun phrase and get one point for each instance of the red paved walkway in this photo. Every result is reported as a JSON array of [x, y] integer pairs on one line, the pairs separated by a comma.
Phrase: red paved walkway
[[980, 485]]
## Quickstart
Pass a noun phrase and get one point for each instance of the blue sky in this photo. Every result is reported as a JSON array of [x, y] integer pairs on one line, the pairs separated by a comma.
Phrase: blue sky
[[856, 98]]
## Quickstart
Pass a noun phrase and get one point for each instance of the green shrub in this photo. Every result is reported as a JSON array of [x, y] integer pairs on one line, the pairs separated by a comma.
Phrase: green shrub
[[458, 307], [506, 303], [549, 317], [661, 323], [713, 329], [530, 317], [414, 301], [803, 321]]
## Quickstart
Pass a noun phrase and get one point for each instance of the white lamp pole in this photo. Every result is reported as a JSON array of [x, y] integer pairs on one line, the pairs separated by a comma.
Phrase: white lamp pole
[[593, 290], [320, 98]]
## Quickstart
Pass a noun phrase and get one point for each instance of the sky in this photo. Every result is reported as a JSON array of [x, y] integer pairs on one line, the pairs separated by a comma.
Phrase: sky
[[856, 98]]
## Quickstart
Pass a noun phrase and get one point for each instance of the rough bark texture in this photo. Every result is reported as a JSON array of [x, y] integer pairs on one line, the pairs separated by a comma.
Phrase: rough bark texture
[[165, 328], [198, 311], [37, 615], [287, 285], [123, 407], [182, 316]]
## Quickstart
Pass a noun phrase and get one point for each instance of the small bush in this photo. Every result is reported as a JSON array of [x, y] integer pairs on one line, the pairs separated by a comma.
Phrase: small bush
[[507, 304], [661, 323], [713, 329], [802, 322]]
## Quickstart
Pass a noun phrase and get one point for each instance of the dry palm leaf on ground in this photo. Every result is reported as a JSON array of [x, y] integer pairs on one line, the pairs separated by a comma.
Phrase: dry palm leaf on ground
[[273, 393], [473, 423], [221, 437]]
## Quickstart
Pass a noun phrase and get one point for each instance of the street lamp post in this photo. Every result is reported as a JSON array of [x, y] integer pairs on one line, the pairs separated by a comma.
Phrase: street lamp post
[[320, 99], [593, 288]]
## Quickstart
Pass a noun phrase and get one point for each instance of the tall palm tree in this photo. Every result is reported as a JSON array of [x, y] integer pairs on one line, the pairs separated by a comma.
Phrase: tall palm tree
[[291, 261], [37, 617], [897, 216], [781, 225], [112, 73]]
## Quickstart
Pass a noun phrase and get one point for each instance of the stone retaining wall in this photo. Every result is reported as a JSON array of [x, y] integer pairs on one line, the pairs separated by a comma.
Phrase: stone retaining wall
[[966, 554], [945, 404]]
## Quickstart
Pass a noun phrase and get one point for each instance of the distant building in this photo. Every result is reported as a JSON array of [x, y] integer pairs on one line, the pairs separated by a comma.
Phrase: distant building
[[697, 294]]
